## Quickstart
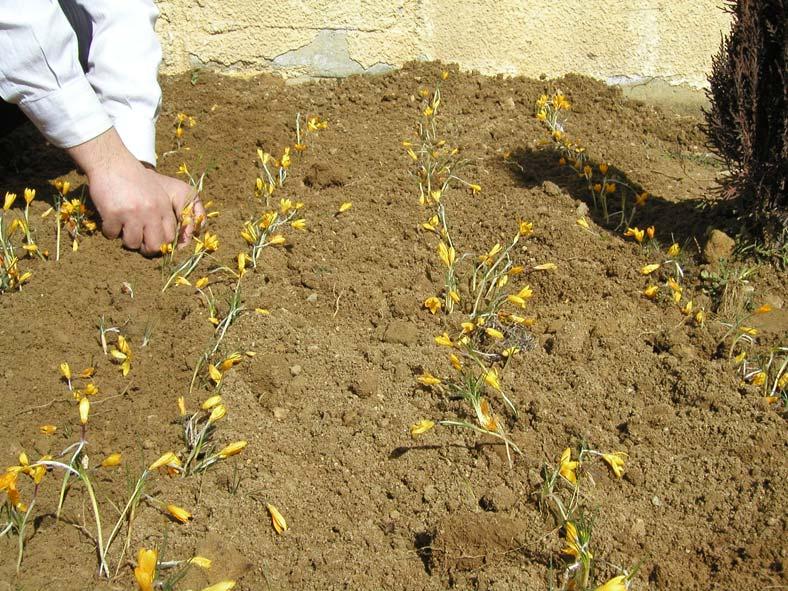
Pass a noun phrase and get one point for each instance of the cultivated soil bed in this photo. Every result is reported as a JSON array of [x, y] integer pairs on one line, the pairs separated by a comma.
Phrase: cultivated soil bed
[[327, 402]]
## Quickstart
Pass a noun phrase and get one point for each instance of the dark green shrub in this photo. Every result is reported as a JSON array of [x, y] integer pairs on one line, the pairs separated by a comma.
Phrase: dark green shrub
[[747, 119]]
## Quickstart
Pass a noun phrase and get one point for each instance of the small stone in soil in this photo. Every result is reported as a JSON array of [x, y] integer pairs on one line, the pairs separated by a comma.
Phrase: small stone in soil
[[295, 370], [365, 385], [551, 188], [430, 494], [401, 333], [639, 529]]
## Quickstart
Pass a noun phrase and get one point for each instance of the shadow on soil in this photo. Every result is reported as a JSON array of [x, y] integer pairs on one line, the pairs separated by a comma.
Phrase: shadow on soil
[[687, 220], [423, 543], [26, 159]]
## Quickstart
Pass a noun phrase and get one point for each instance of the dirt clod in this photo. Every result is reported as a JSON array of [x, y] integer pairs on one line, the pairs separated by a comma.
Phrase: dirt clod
[[718, 247], [467, 541], [322, 176], [366, 384], [401, 332]]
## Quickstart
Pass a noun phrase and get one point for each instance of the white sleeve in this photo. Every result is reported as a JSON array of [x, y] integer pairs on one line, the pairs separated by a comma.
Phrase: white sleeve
[[40, 72], [123, 66]]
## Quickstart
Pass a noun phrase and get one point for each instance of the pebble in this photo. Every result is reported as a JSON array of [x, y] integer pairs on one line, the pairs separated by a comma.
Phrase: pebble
[[639, 528], [430, 494], [280, 413], [148, 444], [365, 385], [295, 370], [551, 188], [350, 418], [312, 298], [655, 501]]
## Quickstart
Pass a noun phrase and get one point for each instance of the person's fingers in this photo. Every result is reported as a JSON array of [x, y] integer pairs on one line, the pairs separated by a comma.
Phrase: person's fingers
[[199, 209], [111, 228], [169, 227], [153, 237], [132, 235], [198, 213]]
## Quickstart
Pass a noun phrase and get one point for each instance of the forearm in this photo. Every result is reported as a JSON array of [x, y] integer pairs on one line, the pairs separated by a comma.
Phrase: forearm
[[124, 60], [103, 154]]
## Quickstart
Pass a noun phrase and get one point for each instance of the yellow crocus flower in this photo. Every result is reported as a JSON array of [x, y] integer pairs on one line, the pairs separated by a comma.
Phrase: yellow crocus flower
[[635, 233], [446, 254], [649, 269], [433, 304], [491, 379], [179, 513], [493, 333], [421, 427], [618, 583], [217, 413], [211, 402], [9, 200], [214, 373], [201, 561], [145, 571], [278, 521], [166, 459], [428, 379], [84, 410], [568, 467], [112, 460], [232, 449], [616, 462], [444, 340]]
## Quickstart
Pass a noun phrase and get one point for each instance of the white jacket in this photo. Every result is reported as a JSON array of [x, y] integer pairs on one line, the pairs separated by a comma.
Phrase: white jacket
[[40, 71]]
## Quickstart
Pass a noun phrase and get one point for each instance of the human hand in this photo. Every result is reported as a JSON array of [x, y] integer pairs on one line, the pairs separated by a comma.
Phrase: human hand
[[181, 195], [136, 203]]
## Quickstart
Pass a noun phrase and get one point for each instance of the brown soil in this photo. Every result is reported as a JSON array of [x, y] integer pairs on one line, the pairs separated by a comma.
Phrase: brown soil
[[327, 402]]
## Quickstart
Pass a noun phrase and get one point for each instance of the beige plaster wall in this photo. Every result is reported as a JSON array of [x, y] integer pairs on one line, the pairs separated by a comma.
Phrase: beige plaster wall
[[619, 41]]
